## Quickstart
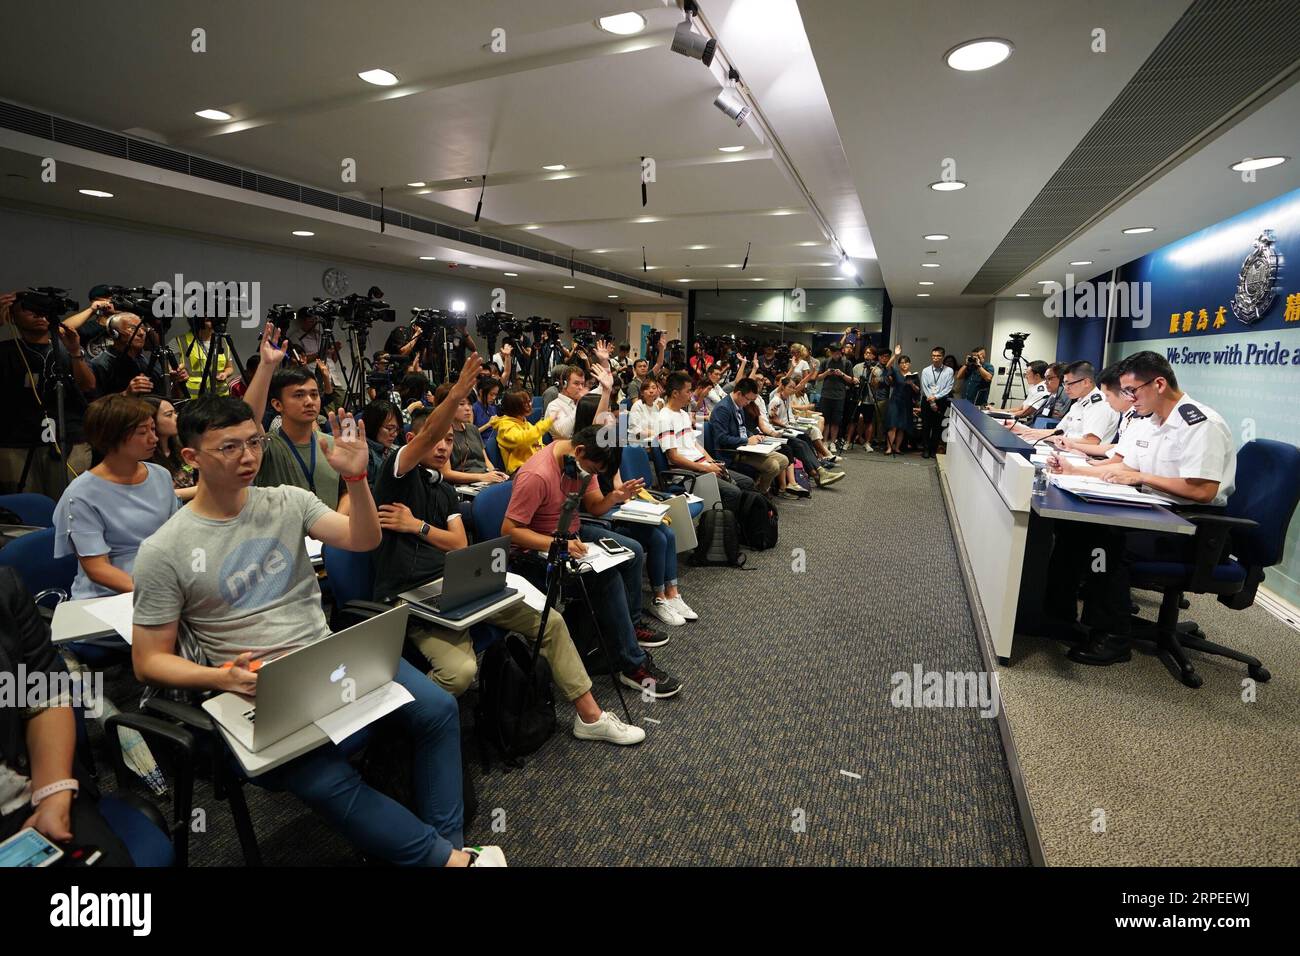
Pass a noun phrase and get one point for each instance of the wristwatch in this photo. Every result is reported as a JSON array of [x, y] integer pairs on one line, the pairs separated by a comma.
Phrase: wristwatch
[[424, 529]]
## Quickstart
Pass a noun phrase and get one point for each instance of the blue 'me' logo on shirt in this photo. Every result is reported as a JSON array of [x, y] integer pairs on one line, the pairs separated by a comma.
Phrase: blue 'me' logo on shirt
[[256, 573]]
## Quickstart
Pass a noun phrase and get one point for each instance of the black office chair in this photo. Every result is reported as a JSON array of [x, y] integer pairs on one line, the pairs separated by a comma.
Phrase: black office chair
[[1231, 552]]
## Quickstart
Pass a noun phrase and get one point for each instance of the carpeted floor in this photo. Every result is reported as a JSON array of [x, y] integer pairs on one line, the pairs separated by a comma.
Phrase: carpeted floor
[[783, 747], [1183, 777]]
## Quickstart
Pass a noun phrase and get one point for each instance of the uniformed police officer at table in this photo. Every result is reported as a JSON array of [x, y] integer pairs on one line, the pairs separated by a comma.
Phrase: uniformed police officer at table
[[1185, 451], [1089, 419]]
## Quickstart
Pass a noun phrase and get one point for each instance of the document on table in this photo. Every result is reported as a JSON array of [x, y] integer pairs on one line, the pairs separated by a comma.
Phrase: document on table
[[350, 718], [600, 560], [762, 448], [1106, 491], [1042, 457], [114, 611], [313, 548], [533, 597], [646, 509]]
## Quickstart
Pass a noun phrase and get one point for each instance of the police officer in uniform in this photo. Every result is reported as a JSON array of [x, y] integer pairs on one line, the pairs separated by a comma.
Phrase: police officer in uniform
[[1089, 419], [1184, 451], [1120, 403]]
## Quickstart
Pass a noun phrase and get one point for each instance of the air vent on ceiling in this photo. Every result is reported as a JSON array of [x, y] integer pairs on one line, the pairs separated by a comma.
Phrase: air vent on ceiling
[[87, 137], [155, 155], [217, 172], [323, 200], [23, 120], [1219, 55]]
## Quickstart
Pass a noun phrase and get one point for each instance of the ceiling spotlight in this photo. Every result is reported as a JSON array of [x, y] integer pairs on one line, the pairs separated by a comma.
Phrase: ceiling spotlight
[[429, 258], [555, 167], [378, 77], [947, 185], [936, 236], [96, 193], [730, 149], [731, 103], [846, 267], [925, 282], [622, 24], [513, 275], [978, 54], [458, 305], [929, 265], [1264, 162], [689, 43], [213, 114], [1081, 262], [1138, 230], [417, 185], [303, 232]]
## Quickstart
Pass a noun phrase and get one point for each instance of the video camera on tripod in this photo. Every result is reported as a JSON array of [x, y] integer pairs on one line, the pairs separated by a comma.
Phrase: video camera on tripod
[[46, 301], [1015, 345]]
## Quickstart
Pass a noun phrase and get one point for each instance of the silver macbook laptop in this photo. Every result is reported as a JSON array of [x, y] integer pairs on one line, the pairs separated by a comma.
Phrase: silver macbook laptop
[[472, 578], [316, 680]]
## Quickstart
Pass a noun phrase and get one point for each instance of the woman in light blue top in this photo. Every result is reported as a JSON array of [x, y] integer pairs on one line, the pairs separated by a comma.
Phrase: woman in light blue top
[[107, 511]]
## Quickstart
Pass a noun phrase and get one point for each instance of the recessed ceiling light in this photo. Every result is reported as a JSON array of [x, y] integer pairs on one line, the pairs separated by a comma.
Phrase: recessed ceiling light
[[925, 282], [733, 265], [782, 212], [622, 24], [423, 192], [1022, 295], [513, 275], [378, 77], [923, 295], [555, 167], [929, 265], [1081, 262], [611, 297], [683, 280], [643, 219], [947, 185], [532, 227], [697, 247], [978, 54], [599, 251], [303, 232], [429, 258], [1264, 162], [96, 193], [936, 236], [1047, 282], [730, 149], [757, 280], [416, 185], [213, 114], [807, 243], [1138, 230]]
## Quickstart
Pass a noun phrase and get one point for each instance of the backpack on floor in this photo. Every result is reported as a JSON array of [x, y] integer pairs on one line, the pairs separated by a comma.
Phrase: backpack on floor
[[516, 705], [756, 520], [717, 539], [801, 477]]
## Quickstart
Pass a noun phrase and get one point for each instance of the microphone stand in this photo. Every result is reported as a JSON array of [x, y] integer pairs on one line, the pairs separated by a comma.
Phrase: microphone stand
[[557, 566]]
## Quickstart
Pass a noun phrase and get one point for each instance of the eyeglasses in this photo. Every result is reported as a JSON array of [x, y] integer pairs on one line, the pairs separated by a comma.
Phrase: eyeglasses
[[1067, 384], [1133, 391], [233, 450]]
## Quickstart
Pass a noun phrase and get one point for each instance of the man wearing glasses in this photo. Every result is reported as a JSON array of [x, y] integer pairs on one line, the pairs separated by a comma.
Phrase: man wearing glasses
[[1184, 451], [1090, 419]]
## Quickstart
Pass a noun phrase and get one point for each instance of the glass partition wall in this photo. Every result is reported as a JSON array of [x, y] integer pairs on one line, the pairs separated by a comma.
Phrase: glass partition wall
[[811, 317]]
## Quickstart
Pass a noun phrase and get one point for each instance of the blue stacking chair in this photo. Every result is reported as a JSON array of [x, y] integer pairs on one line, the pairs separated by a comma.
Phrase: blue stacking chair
[[536, 415], [31, 509], [494, 452], [671, 481], [1228, 555]]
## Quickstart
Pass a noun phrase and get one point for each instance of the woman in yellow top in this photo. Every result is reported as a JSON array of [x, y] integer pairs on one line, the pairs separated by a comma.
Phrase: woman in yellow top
[[516, 437], [192, 355]]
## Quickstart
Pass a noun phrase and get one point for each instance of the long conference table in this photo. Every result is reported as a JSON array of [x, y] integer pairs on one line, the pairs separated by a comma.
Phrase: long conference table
[[1006, 530]]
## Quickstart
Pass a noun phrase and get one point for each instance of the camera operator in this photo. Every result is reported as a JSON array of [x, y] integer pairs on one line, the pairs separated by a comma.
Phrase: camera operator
[[29, 362], [975, 375], [122, 367], [1039, 396], [193, 351]]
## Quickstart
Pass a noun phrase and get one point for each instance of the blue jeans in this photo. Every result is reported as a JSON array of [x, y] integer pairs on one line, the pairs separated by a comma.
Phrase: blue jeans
[[378, 825], [660, 548]]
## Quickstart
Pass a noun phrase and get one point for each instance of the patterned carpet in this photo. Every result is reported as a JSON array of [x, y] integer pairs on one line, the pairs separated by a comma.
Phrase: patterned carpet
[[783, 747]]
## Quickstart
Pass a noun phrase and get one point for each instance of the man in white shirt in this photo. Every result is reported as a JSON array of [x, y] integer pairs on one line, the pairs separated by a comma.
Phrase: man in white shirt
[[675, 434], [1038, 397], [1120, 402], [1090, 419], [565, 406], [936, 393], [1186, 452]]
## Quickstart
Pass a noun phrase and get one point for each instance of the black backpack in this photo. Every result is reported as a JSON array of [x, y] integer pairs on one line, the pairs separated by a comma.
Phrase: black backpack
[[717, 539], [516, 705], [756, 520]]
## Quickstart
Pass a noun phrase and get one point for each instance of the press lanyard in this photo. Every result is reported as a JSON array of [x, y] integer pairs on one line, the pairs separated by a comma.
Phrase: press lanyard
[[311, 482]]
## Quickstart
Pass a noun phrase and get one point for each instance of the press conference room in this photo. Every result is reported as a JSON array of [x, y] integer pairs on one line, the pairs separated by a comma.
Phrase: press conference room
[[734, 433]]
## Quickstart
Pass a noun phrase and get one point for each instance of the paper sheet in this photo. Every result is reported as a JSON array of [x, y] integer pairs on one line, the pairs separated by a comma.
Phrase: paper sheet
[[313, 548], [644, 508], [1095, 488], [350, 718], [534, 598], [114, 611], [600, 560]]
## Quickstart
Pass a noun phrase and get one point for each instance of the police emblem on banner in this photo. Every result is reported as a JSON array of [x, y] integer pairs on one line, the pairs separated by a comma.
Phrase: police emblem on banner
[[1257, 281]]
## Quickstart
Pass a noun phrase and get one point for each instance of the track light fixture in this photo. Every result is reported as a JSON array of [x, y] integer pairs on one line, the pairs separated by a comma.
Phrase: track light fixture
[[689, 43], [730, 101]]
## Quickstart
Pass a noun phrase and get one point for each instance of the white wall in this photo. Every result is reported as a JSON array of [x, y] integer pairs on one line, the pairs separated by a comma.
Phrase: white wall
[[920, 330], [39, 249], [1019, 315]]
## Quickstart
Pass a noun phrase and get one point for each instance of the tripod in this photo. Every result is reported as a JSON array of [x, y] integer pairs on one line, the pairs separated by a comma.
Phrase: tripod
[[1017, 368], [355, 387], [557, 566], [59, 373], [219, 341]]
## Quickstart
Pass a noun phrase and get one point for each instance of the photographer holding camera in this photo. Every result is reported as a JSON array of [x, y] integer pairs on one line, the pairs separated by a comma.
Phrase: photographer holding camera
[[975, 376], [30, 363], [122, 367]]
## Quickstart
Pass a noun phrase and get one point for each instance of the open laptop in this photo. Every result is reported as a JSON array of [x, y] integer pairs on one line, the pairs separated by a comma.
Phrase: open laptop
[[304, 685], [472, 578]]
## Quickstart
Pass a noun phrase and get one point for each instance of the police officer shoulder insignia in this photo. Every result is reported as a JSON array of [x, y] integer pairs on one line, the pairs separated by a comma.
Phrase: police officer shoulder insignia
[[1191, 414], [1095, 398]]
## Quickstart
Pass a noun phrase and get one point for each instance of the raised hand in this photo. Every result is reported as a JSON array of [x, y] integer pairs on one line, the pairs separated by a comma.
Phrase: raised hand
[[468, 377], [506, 349], [272, 350], [604, 376], [601, 348], [349, 455]]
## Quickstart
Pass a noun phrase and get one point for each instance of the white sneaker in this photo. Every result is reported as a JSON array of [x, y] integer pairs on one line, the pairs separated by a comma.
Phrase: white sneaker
[[486, 856], [609, 728], [683, 611], [664, 611]]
